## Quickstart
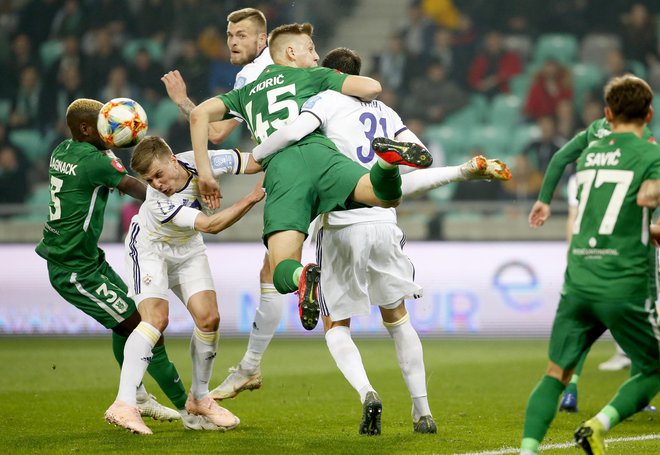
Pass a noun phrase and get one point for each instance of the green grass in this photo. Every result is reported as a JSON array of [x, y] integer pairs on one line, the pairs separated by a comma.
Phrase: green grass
[[53, 393]]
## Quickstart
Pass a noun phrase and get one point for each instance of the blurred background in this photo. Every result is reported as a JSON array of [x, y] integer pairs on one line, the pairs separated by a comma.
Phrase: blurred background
[[511, 79]]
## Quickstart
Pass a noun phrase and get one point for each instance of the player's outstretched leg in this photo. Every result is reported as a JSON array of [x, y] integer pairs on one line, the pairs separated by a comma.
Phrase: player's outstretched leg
[[481, 168], [401, 153], [308, 302], [372, 408], [238, 381]]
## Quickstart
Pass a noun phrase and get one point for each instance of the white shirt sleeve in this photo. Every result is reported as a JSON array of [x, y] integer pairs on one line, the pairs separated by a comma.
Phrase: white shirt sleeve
[[165, 210], [227, 162], [319, 106], [304, 124]]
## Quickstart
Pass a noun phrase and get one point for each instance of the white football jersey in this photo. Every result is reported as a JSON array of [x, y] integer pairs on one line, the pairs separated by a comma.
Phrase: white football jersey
[[252, 70], [172, 219], [351, 124]]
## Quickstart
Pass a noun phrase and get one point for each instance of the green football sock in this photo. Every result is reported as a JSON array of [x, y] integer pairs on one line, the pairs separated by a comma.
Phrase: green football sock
[[283, 276], [118, 343], [572, 386], [633, 395], [541, 409], [386, 183], [165, 374]]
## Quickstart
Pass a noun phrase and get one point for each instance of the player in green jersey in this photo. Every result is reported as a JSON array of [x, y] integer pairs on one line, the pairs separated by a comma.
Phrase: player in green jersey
[[309, 177], [610, 260], [82, 174]]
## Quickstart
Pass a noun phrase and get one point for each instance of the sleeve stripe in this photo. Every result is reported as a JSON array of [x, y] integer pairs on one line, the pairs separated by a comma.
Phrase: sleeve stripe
[[400, 131], [240, 158], [172, 215], [317, 117]]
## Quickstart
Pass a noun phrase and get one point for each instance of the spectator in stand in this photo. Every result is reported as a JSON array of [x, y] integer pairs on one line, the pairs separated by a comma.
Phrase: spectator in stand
[[36, 19], [566, 120], [443, 51], [68, 21], [433, 97], [393, 65], [14, 183], [640, 35], [194, 68], [540, 151], [493, 67], [417, 34], [20, 57], [117, 85], [145, 74], [616, 65], [71, 56], [27, 105], [526, 183], [551, 84], [443, 12], [102, 58], [69, 88]]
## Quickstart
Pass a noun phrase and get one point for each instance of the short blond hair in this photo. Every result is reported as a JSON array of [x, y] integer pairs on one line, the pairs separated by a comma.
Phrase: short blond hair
[[148, 150], [251, 14], [277, 40], [82, 110]]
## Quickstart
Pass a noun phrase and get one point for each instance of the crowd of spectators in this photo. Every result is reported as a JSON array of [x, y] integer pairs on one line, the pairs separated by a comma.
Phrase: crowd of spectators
[[448, 57]]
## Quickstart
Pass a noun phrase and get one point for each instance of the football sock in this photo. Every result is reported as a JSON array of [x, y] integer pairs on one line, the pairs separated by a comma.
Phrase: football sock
[[118, 343], [632, 397], [411, 361], [137, 355], [348, 359], [202, 351], [427, 179], [164, 372], [386, 182], [541, 409], [284, 278], [266, 319], [572, 386]]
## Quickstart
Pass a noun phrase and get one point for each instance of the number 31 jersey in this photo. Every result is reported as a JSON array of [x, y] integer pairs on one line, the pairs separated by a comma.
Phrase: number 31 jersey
[[611, 257], [351, 124]]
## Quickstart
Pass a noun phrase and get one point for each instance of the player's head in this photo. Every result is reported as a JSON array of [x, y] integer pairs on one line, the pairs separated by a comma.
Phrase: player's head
[[81, 117], [246, 35], [153, 159], [292, 45], [343, 59], [628, 100]]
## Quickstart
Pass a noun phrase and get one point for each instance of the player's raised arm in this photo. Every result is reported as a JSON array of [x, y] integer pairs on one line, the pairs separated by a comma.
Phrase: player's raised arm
[[303, 125], [210, 110], [177, 91], [365, 88], [225, 218]]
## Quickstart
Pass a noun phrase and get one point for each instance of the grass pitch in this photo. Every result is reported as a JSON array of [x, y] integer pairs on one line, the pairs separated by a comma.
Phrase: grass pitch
[[53, 393]]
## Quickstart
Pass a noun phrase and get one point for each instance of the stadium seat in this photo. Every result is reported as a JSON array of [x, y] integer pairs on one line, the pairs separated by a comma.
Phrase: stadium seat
[[595, 47], [163, 116], [49, 52], [519, 85], [505, 110], [520, 44], [443, 194], [521, 137], [154, 48], [586, 77], [493, 140], [561, 47], [453, 139], [37, 204], [637, 68], [463, 118], [5, 110], [31, 143]]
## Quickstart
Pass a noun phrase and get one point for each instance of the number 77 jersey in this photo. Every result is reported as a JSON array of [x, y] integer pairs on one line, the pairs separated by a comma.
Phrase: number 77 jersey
[[611, 257]]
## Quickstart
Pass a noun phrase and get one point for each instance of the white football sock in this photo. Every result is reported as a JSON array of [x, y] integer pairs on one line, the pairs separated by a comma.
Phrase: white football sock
[[137, 356], [348, 359], [427, 179], [266, 319], [411, 360], [202, 351]]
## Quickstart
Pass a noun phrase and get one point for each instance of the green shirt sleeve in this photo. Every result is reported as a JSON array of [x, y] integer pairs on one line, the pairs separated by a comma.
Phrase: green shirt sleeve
[[103, 170], [232, 103], [329, 79], [569, 153]]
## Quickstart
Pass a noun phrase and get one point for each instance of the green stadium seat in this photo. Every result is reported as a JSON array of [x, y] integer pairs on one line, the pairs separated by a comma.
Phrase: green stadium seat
[[49, 52], [505, 110], [5, 110], [521, 137], [443, 194], [561, 47], [31, 143], [452, 139], [586, 77], [519, 85], [154, 48], [163, 116], [464, 118], [37, 204], [493, 140]]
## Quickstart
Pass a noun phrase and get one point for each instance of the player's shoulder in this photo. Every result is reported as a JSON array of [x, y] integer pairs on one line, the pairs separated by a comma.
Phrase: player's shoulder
[[252, 70]]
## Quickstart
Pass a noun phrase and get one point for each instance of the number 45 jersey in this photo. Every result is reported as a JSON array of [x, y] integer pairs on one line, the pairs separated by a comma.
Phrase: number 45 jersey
[[80, 178], [611, 257]]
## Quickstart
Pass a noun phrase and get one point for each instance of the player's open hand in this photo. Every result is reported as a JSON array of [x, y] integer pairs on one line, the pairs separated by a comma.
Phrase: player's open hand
[[210, 191], [539, 214], [175, 86], [259, 193]]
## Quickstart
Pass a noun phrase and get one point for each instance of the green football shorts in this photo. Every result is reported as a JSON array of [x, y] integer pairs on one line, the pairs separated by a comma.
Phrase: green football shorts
[[98, 292], [305, 181], [580, 321]]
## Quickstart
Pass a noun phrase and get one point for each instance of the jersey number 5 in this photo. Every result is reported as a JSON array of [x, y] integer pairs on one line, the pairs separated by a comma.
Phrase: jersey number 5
[[593, 178], [259, 126]]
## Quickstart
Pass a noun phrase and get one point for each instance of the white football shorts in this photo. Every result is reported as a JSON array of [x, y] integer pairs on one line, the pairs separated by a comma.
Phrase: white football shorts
[[153, 267], [363, 265]]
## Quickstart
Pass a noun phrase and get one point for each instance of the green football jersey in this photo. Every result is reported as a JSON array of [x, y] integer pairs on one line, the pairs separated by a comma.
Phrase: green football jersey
[[80, 180], [572, 150], [611, 257], [274, 99]]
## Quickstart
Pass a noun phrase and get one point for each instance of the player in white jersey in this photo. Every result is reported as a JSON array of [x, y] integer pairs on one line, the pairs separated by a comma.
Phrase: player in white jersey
[[247, 43], [360, 251], [165, 250]]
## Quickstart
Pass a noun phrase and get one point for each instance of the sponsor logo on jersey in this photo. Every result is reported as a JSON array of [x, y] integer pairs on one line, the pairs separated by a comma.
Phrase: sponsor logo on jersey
[[311, 102], [63, 166], [271, 81], [240, 82], [117, 165], [222, 162], [603, 158]]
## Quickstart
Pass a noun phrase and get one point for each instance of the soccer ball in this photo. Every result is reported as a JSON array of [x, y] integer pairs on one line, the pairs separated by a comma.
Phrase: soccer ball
[[122, 122]]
